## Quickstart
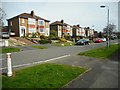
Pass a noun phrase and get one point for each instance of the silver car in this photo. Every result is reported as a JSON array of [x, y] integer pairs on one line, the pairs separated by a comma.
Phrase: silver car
[[4, 35]]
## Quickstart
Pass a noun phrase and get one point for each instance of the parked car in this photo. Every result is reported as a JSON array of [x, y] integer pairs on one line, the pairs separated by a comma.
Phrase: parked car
[[83, 42], [4, 35], [98, 40], [104, 39]]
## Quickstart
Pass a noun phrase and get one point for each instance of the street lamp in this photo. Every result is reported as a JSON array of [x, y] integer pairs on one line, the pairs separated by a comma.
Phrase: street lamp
[[108, 42]]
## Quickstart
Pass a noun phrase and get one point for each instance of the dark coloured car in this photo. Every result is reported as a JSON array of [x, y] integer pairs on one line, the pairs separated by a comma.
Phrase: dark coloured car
[[83, 42]]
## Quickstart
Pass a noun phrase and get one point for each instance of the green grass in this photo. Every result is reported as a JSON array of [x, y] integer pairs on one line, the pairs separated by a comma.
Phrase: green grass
[[9, 49], [40, 47], [42, 76], [102, 52]]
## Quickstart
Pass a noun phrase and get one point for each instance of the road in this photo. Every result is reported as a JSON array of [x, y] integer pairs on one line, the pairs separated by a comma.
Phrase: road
[[28, 57], [103, 74]]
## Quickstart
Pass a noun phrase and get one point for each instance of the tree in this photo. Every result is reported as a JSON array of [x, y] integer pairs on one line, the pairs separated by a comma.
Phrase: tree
[[100, 35], [111, 28], [2, 17], [53, 34]]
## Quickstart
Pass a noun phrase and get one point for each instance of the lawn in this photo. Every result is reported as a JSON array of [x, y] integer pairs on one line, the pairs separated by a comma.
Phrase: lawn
[[39, 47], [9, 49], [102, 52], [42, 76]]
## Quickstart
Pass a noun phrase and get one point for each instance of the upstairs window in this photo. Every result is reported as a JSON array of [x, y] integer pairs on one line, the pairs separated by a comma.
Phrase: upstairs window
[[41, 22], [10, 23], [23, 20]]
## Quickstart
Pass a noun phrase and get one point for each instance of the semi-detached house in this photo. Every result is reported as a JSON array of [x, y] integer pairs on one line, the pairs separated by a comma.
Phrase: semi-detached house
[[28, 23], [61, 28], [78, 31]]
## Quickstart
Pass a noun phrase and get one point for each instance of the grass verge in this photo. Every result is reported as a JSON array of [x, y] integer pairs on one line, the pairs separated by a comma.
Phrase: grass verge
[[42, 76], [102, 52], [10, 49], [39, 47]]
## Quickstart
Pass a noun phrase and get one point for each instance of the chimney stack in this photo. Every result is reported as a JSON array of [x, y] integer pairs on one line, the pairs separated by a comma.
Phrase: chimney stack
[[32, 13], [78, 25], [62, 21]]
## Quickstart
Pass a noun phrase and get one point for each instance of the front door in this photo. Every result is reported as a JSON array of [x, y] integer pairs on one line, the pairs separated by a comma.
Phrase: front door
[[22, 31]]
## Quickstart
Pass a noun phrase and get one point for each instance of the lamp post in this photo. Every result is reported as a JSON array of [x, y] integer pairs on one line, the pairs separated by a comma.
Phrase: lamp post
[[108, 42]]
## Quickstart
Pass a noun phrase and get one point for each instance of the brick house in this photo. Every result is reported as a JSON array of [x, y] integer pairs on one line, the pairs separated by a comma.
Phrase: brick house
[[78, 31], [89, 32], [27, 23], [61, 28]]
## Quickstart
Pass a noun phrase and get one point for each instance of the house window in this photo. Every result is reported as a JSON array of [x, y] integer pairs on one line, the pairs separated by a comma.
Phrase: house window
[[23, 21], [31, 30], [41, 30], [10, 23], [41, 22]]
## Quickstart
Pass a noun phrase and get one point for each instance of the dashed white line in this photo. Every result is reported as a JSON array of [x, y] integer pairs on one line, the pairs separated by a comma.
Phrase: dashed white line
[[37, 62]]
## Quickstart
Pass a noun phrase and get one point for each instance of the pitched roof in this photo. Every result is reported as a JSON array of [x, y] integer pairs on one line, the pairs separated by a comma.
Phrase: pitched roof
[[27, 15], [59, 23]]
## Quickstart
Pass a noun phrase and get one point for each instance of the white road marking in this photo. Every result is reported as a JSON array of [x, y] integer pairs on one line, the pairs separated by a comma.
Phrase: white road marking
[[36, 62]]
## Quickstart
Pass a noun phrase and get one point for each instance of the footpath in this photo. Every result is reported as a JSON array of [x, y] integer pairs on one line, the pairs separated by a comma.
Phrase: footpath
[[103, 73]]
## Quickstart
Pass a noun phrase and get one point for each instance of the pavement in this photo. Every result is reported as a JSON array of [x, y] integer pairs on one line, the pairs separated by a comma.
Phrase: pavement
[[103, 73]]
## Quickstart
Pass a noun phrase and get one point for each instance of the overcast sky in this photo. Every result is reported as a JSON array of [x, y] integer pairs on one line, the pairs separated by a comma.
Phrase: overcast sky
[[73, 12]]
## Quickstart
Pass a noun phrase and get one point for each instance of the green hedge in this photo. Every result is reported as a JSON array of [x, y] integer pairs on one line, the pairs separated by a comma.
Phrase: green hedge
[[44, 41]]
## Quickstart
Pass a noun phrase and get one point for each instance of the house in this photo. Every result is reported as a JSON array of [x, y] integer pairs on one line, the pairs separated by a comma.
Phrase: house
[[89, 32], [78, 32], [28, 23], [61, 28]]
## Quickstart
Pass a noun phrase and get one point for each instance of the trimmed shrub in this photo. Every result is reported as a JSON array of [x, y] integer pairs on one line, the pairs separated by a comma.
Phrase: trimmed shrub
[[63, 40], [44, 41], [68, 37], [43, 37], [33, 35]]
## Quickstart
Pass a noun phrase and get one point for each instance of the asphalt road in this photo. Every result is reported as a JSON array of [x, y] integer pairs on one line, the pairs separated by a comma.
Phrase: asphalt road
[[28, 55], [103, 74]]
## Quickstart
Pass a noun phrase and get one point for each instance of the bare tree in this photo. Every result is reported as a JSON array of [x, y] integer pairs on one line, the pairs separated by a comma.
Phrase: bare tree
[[111, 28], [2, 17]]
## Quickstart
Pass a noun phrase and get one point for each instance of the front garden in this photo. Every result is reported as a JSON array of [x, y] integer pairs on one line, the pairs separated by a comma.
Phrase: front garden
[[53, 38], [42, 76]]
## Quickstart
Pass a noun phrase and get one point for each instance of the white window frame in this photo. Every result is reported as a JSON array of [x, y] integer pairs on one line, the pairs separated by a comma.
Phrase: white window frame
[[11, 23], [41, 22], [23, 20]]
